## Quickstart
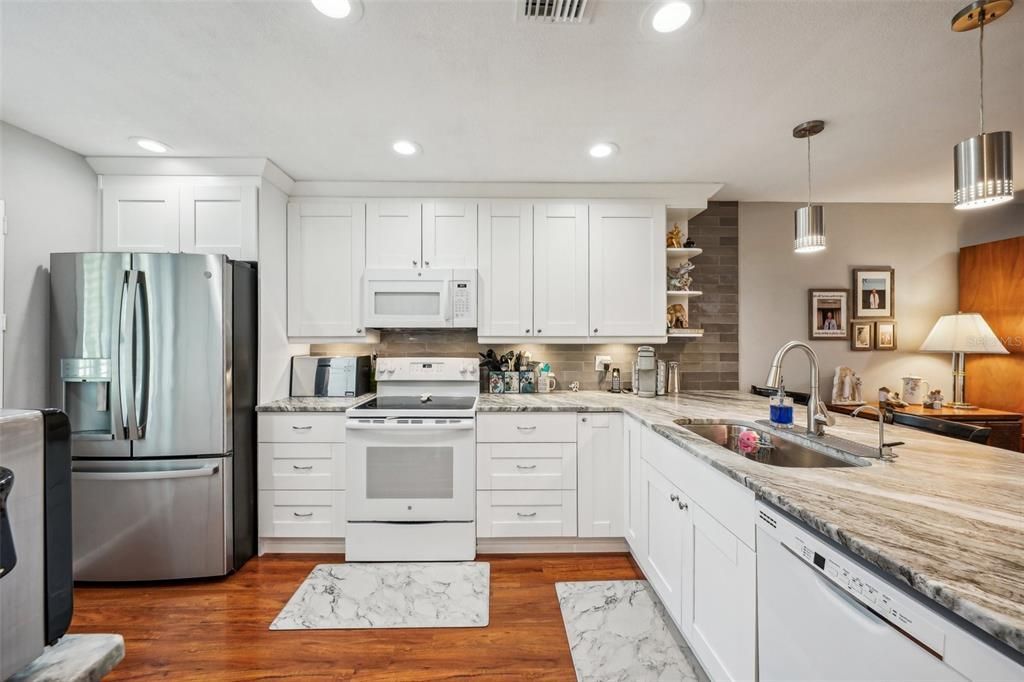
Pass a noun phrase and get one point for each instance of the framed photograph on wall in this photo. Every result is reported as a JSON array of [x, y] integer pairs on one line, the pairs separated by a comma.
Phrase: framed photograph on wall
[[885, 335], [829, 314], [862, 335], [874, 292]]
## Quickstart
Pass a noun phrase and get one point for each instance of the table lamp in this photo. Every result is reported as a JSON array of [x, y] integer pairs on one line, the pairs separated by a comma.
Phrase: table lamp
[[959, 334]]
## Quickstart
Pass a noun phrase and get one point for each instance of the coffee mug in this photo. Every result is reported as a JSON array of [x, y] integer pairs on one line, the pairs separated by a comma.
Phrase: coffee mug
[[546, 383]]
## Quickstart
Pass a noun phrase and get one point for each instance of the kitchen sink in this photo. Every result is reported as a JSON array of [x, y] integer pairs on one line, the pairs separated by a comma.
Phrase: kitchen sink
[[770, 448]]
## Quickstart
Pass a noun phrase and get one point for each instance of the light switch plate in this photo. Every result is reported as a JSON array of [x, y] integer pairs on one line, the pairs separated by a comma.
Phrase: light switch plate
[[600, 361]]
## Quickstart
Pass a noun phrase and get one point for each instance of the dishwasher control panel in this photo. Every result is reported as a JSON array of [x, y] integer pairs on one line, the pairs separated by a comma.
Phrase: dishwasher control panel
[[878, 595]]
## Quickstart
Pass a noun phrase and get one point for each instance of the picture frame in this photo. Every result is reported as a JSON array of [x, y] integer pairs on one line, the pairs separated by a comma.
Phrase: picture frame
[[862, 335], [885, 335], [829, 314], [874, 292]]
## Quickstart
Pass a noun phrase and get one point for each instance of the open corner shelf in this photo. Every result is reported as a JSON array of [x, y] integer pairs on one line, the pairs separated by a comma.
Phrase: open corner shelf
[[685, 333], [683, 294], [684, 253]]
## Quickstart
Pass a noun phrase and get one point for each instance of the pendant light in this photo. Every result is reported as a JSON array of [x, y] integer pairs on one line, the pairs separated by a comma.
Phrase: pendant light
[[809, 220], [983, 164]]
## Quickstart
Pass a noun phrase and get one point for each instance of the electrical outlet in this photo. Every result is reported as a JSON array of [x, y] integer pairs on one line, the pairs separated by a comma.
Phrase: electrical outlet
[[600, 361]]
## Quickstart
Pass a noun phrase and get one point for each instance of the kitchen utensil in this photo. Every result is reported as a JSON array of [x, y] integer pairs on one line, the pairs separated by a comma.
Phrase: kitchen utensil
[[673, 377]]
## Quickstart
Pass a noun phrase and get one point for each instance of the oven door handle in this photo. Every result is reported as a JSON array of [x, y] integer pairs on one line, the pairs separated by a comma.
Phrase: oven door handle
[[394, 426]]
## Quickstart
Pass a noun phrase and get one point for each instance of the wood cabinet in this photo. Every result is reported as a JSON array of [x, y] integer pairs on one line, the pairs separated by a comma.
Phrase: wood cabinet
[[505, 269], [601, 467], [326, 251], [668, 561], [560, 238], [409, 233], [633, 486], [181, 215], [627, 269]]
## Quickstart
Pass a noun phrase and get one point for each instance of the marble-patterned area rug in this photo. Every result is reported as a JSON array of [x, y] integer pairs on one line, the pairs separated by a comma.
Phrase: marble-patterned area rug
[[618, 630], [399, 595]]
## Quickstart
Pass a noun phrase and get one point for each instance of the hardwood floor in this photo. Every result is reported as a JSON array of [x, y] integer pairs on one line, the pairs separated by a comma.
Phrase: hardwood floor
[[217, 629]]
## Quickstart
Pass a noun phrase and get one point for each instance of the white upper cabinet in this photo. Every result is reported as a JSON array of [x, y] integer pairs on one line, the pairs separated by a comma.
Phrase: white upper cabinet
[[326, 252], [449, 234], [181, 215], [219, 219], [600, 463], [505, 262], [627, 269], [560, 269], [393, 233], [140, 217]]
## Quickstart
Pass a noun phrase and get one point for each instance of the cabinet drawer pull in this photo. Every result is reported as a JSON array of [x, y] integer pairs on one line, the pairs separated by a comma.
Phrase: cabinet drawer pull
[[673, 497], [526, 516], [302, 516], [527, 428], [301, 428], [305, 468], [526, 466]]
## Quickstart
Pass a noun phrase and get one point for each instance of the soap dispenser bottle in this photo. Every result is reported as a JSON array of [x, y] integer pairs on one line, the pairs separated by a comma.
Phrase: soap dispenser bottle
[[780, 408]]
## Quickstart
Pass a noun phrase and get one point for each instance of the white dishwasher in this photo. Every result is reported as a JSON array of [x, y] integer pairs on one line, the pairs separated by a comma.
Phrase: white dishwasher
[[822, 616]]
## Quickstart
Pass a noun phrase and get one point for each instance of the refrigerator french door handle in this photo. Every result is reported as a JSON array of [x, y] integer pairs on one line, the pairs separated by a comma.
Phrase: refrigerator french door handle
[[194, 472], [142, 354], [120, 367], [128, 343]]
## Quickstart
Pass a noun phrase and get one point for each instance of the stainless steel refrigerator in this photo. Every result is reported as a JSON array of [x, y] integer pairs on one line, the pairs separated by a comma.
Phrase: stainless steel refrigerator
[[153, 358]]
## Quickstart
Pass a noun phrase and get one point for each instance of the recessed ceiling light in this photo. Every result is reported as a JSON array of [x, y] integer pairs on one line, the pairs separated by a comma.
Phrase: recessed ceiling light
[[406, 147], [603, 150], [335, 9], [151, 145], [671, 16]]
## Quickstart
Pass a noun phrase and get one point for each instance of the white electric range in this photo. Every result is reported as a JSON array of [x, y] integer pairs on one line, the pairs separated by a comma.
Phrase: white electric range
[[411, 463]]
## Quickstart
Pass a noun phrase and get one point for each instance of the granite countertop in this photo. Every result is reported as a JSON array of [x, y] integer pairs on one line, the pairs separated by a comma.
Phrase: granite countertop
[[74, 658], [312, 404], [946, 518]]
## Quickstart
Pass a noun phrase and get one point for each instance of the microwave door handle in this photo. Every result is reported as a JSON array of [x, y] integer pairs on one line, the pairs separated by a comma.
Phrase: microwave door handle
[[128, 345], [447, 292]]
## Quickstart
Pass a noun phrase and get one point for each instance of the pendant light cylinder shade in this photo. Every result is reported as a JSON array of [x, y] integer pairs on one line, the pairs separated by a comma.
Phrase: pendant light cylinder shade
[[983, 170], [809, 229]]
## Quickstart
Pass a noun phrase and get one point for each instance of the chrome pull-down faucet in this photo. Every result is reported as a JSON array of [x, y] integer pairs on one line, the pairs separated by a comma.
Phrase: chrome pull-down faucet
[[884, 449], [817, 416]]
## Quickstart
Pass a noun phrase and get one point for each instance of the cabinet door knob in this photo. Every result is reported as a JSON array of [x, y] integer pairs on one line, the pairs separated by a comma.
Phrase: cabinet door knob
[[595, 330], [583, 419], [414, 263], [673, 497], [683, 506], [359, 331], [426, 263], [527, 331], [539, 331]]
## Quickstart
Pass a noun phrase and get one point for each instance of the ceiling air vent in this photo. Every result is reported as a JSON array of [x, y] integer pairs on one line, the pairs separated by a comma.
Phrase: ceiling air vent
[[554, 11]]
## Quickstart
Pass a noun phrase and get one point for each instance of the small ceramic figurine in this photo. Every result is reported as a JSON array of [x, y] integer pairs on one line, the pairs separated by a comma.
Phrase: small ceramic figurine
[[689, 244], [935, 399], [574, 386], [678, 278], [674, 239], [846, 387], [886, 395], [675, 316]]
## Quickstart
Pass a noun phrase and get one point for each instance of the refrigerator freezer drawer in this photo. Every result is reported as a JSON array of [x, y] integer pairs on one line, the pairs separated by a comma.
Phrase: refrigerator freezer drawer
[[155, 520]]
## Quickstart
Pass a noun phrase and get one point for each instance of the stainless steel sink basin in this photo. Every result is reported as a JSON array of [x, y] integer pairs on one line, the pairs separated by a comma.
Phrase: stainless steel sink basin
[[771, 449]]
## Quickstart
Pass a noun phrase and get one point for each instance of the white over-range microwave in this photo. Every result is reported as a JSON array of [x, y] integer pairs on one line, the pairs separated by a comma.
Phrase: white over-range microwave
[[420, 299]]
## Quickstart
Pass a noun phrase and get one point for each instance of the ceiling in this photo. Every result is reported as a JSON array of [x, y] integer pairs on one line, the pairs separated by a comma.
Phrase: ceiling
[[493, 99]]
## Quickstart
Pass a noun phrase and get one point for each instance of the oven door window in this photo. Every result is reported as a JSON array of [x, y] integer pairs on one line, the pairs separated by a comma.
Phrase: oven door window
[[410, 473]]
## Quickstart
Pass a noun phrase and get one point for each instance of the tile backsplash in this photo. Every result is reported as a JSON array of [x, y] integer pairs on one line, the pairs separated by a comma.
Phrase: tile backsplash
[[711, 362]]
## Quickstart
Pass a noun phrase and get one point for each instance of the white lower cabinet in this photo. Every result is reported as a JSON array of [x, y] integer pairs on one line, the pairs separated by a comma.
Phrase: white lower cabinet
[[668, 560], [525, 513], [633, 486], [301, 475], [724, 600], [599, 448]]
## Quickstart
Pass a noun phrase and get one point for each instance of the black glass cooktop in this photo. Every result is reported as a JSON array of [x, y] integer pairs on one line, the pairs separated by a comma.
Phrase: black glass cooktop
[[401, 402]]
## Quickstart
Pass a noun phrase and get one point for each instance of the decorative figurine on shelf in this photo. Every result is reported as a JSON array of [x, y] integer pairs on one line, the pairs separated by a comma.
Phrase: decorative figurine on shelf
[[846, 387], [886, 395], [674, 239], [689, 244], [935, 399], [675, 316], [677, 278], [574, 386]]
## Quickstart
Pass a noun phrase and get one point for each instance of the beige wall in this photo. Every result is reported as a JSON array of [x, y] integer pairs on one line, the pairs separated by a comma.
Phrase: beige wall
[[52, 205], [920, 241]]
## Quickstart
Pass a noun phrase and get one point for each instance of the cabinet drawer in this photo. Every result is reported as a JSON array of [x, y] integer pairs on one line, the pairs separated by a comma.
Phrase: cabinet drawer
[[526, 513], [526, 427], [535, 466], [301, 466], [302, 514], [302, 427]]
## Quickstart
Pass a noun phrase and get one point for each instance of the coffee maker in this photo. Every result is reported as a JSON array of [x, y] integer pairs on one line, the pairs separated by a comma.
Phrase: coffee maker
[[646, 372]]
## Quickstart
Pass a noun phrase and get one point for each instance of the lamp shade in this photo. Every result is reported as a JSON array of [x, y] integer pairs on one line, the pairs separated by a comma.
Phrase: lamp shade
[[808, 229], [963, 333], [983, 170]]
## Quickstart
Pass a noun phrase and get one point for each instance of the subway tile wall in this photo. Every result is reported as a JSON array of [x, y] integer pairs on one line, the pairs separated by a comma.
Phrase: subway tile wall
[[711, 362]]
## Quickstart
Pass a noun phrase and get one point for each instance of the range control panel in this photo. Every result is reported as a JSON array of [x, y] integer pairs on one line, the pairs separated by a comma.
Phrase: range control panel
[[427, 369], [869, 590]]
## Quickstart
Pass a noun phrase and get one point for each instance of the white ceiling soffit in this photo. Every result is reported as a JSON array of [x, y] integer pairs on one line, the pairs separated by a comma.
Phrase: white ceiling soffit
[[491, 98]]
